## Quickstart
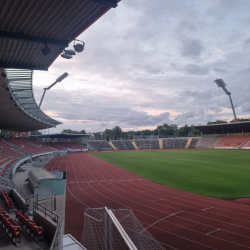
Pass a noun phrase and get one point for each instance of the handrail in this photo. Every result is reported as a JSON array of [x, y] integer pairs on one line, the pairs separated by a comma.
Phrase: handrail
[[54, 217], [46, 212], [55, 241]]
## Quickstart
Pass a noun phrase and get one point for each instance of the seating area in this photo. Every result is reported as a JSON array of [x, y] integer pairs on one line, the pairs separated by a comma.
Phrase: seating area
[[55, 146], [100, 145], [247, 145], [193, 143], [10, 227], [123, 144], [233, 142], [7, 201], [205, 142], [147, 144], [42, 147], [76, 145], [174, 143], [7, 158], [29, 225], [26, 147]]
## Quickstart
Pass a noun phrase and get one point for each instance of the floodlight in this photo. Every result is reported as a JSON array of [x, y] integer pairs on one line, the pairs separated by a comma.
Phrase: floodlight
[[221, 84], [79, 47], [69, 52], [46, 50], [66, 56], [63, 76], [59, 79]]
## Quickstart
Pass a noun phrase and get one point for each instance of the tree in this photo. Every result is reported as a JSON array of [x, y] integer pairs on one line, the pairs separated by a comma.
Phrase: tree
[[35, 133], [241, 120], [69, 131], [117, 132], [217, 122]]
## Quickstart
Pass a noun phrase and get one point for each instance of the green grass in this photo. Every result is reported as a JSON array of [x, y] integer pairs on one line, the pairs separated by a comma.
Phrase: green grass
[[215, 173]]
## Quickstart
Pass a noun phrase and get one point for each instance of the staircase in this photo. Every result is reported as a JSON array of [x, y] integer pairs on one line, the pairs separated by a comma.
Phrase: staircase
[[219, 139], [32, 144], [160, 143], [134, 144], [11, 144], [188, 142], [112, 145]]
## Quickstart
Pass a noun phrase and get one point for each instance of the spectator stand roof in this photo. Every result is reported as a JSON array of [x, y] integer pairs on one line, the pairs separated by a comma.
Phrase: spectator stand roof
[[236, 127], [18, 108], [27, 26], [60, 136]]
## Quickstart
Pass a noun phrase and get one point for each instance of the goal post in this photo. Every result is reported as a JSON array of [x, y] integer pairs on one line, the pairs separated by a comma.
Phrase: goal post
[[107, 229]]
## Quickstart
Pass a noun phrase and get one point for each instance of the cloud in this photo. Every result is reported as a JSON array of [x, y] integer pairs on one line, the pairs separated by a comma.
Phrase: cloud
[[147, 63], [191, 47]]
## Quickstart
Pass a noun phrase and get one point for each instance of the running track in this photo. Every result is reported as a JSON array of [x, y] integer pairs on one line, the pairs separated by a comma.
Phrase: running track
[[180, 220]]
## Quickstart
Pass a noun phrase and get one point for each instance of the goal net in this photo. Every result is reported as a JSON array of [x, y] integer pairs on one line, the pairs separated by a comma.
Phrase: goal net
[[106, 229]]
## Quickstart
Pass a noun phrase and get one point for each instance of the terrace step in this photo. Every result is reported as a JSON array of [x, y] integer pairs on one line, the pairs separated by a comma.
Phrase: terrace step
[[188, 142], [134, 144], [112, 145], [160, 143]]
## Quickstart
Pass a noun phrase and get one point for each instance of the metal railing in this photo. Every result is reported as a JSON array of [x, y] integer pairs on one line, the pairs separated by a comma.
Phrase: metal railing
[[54, 217], [47, 213]]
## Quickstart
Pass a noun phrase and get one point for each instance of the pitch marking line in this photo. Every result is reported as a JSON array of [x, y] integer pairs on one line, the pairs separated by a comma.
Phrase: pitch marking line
[[161, 220], [213, 231], [158, 200], [205, 209]]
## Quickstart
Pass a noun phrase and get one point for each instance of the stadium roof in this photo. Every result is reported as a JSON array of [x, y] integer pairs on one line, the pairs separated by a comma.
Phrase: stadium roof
[[236, 127], [18, 108], [59, 136], [28, 25]]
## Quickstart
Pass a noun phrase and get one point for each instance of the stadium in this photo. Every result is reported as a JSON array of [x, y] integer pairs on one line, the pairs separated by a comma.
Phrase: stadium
[[68, 191]]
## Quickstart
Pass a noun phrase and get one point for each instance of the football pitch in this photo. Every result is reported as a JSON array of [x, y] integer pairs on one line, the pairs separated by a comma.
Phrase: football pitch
[[216, 173]]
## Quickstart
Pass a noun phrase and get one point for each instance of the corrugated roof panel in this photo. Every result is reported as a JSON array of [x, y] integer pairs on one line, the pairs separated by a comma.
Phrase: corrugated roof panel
[[20, 85]]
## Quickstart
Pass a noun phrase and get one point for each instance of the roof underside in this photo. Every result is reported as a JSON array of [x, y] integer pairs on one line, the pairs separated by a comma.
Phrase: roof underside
[[26, 25], [58, 136], [18, 108], [236, 127], [40, 174]]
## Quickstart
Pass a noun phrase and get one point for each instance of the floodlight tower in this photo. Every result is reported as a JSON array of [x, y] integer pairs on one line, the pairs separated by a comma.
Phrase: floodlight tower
[[221, 84], [59, 79]]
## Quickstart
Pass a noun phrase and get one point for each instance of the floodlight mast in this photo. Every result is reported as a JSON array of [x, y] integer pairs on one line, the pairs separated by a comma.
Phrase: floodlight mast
[[221, 84], [59, 79]]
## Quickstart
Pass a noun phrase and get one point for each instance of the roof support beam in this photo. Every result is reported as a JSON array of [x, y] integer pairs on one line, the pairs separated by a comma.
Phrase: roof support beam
[[33, 39], [108, 3], [22, 66]]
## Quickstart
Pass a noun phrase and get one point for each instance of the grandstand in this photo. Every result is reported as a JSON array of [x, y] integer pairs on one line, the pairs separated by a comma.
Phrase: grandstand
[[233, 142], [37, 32], [147, 144], [30, 222], [123, 144], [203, 142], [99, 145]]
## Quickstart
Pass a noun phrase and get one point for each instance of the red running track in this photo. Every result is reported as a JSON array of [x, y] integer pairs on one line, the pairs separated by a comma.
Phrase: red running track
[[179, 220]]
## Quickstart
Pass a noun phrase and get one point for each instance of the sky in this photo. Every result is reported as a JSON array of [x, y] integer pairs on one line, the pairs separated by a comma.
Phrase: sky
[[146, 63]]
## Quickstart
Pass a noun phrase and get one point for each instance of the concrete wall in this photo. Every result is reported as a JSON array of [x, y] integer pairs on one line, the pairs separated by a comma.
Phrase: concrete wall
[[46, 223], [19, 200]]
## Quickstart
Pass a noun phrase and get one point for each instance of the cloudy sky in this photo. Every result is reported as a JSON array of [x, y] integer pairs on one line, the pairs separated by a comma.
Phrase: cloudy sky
[[147, 63]]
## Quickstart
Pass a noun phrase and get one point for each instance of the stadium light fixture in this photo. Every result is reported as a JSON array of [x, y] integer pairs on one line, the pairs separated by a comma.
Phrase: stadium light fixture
[[221, 84], [59, 79]]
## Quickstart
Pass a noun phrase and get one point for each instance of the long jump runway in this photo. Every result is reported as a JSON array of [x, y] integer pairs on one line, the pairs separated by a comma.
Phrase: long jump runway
[[177, 219]]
